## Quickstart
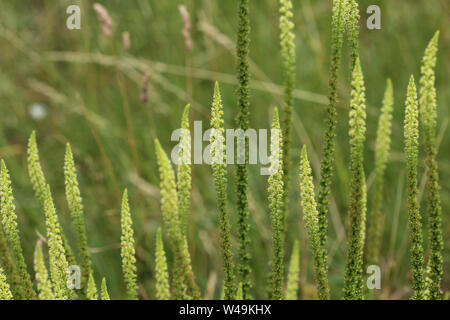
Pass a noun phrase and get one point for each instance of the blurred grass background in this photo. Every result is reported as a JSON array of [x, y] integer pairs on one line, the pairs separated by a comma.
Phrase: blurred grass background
[[89, 87]]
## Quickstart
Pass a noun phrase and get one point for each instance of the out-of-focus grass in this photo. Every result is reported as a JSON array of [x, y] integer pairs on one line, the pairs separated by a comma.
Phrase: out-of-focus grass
[[88, 85]]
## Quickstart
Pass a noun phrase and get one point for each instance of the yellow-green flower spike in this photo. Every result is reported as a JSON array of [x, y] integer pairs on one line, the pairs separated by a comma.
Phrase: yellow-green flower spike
[[311, 217], [91, 291], [411, 133], [183, 283], [353, 280], [35, 170], [327, 162], [75, 204], [162, 275], [39, 185], [127, 250], [287, 43], [276, 206], [44, 285], [219, 168], [293, 274], [184, 171], [104, 291], [5, 292], [428, 119], [59, 267], [243, 122], [11, 232], [382, 148]]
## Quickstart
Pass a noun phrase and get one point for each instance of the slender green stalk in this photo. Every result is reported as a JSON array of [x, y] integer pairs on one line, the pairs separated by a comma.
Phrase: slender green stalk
[[11, 231], [127, 250], [220, 180], [275, 190], [5, 292], [44, 284], [311, 217], [293, 274], [91, 292], [59, 265], [353, 281], [39, 185], [75, 204], [411, 134], [242, 52], [104, 292], [183, 283], [162, 275], [326, 165], [184, 171], [287, 43], [428, 117], [382, 148]]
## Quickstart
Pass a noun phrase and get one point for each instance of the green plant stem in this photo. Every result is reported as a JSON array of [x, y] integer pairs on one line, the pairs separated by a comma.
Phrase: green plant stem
[[243, 41]]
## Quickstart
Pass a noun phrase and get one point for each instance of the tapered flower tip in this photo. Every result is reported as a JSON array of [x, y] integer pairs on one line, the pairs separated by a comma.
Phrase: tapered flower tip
[[389, 86], [276, 118], [3, 165], [157, 145], [68, 149], [304, 152], [33, 135], [357, 69], [125, 195], [435, 38], [412, 83], [186, 111], [160, 153]]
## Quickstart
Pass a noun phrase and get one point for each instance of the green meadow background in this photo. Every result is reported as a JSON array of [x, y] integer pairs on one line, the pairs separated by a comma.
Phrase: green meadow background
[[89, 88]]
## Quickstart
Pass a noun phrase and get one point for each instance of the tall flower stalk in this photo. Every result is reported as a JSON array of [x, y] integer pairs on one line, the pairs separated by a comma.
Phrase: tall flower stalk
[[275, 190], [127, 250], [311, 217], [219, 168], [184, 171], [411, 133], [353, 281], [39, 185], [428, 117], [75, 204], [287, 43], [183, 283], [326, 165], [242, 52], [9, 222], [382, 148]]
